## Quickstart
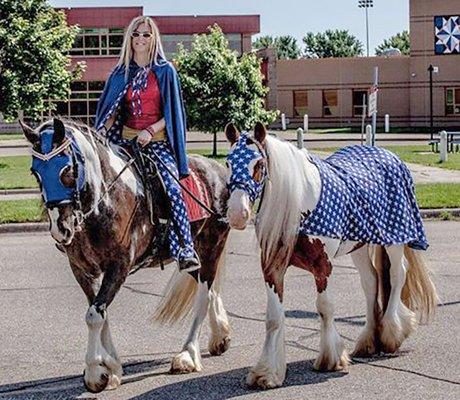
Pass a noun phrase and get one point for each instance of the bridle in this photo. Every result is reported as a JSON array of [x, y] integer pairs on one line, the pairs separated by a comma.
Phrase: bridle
[[254, 189]]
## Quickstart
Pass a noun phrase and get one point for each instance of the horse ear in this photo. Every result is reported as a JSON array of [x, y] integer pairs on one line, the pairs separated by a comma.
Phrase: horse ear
[[260, 132], [59, 131], [29, 133], [231, 132]]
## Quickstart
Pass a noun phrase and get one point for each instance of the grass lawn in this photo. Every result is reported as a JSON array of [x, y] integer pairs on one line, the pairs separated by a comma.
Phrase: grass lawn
[[415, 154], [15, 173], [422, 155], [30, 210], [438, 195], [11, 136]]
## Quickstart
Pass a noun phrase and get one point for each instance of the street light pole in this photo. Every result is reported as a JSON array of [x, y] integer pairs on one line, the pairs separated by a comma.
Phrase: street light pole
[[366, 4], [430, 70]]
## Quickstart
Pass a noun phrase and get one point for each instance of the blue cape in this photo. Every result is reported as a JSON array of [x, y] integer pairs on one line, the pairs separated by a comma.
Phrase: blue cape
[[171, 97]]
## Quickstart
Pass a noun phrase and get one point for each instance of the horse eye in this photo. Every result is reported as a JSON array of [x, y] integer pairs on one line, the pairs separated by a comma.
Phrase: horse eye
[[67, 177]]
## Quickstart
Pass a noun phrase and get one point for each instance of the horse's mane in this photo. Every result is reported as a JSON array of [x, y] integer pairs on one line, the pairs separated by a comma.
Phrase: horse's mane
[[280, 213]]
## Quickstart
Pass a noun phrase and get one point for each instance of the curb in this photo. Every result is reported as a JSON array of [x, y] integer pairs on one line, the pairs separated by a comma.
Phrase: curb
[[5, 192], [44, 226]]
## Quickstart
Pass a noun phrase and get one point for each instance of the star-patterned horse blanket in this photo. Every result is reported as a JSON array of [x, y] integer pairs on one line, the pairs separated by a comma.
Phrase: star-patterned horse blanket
[[367, 196]]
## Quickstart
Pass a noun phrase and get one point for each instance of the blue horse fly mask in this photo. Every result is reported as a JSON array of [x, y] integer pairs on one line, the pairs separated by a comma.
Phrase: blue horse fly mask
[[241, 160], [49, 165]]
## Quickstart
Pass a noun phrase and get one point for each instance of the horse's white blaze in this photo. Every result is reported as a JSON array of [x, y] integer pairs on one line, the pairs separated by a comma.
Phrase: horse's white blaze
[[332, 354], [270, 370], [54, 230], [127, 177], [189, 359], [239, 209]]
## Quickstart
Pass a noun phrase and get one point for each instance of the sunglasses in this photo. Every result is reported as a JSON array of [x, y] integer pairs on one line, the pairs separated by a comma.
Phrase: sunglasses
[[143, 34]]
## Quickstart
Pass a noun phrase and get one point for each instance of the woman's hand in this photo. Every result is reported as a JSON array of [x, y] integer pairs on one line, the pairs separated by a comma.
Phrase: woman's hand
[[144, 138]]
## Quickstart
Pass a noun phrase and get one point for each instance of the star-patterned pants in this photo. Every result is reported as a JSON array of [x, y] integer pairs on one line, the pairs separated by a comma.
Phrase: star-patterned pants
[[180, 222]]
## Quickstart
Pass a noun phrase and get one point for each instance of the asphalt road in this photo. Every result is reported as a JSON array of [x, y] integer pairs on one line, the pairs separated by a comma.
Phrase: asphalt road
[[43, 333]]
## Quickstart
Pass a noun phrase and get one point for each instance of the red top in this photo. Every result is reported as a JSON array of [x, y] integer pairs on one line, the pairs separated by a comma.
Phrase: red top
[[150, 102]]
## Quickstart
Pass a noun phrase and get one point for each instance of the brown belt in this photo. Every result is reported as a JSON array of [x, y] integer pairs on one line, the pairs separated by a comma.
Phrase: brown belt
[[129, 133]]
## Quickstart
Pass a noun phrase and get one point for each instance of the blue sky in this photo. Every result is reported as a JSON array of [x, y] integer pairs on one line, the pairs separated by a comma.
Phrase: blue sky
[[283, 17]]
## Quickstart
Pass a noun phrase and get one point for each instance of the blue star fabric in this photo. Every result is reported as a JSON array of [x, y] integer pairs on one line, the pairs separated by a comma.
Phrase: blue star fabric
[[239, 159], [180, 222], [367, 196], [447, 34]]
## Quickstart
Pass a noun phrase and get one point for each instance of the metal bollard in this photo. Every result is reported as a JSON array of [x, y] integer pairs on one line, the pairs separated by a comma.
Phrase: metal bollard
[[443, 146], [283, 122], [300, 138], [387, 123], [305, 123], [368, 135]]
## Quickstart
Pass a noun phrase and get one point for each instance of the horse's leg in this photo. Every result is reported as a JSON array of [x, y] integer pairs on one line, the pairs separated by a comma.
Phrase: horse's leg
[[270, 370], [398, 321], [367, 344], [207, 297], [332, 353], [103, 367]]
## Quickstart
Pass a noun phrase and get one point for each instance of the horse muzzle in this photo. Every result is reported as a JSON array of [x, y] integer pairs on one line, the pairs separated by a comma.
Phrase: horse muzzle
[[239, 210]]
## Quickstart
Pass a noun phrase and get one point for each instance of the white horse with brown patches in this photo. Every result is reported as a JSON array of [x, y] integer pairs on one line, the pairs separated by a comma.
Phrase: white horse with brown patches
[[292, 188]]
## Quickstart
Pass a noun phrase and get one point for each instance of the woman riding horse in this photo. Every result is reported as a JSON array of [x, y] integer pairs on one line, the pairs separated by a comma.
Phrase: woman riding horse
[[142, 99]]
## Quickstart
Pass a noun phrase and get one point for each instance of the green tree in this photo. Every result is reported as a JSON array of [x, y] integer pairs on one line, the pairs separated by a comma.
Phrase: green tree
[[331, 43], [34, 66], [286, 46], [219, 87], [400, 41]]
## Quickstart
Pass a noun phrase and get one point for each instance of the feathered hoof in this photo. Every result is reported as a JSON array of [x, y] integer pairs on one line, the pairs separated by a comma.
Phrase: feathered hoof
[[365, 346], [96, 378], [329, 363], [218, 346], [184, 364], [267, 380]]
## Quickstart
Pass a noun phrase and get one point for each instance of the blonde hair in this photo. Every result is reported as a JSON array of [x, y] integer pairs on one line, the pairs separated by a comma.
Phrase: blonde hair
[[156, 53]]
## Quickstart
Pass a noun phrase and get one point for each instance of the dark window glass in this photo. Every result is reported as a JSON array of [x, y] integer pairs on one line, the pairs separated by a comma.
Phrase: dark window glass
[[300, 102], [62, 108], [78, 86], [330, 102], [92, 41], [78, 43], [92, 107], [359, 96], [96, 85], [78, 108], [114, 52], [115, 40]]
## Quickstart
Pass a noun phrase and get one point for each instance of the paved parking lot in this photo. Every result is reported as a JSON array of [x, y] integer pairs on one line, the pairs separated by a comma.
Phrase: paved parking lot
[[43, 333]]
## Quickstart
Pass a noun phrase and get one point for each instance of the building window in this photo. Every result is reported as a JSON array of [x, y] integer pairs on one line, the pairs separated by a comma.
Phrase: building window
[[82, 102], [170, 43], [453, 101], [330, 103], [300, 103], [359, 98], [98, 42]]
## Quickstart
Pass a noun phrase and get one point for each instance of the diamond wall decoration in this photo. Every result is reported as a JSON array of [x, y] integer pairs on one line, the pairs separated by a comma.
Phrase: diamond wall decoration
[[447, 34]]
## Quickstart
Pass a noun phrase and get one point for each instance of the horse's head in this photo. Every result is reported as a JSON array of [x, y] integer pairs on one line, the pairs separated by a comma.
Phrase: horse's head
[[58, 165], [247, 162]]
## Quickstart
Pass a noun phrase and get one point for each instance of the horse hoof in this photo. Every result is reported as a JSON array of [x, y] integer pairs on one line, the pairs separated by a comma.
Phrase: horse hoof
[[325, 364], [183, 364], [265, 381], [114, 382], [365, 347], [96, 379], [219, 346]]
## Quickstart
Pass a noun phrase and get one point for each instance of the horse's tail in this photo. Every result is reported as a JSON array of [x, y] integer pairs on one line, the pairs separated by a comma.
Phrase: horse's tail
[[418, 293], [180, 292]]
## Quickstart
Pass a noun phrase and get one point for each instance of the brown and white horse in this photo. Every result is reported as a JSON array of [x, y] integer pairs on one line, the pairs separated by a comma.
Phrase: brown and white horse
[[108, 232], [291, 187]]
